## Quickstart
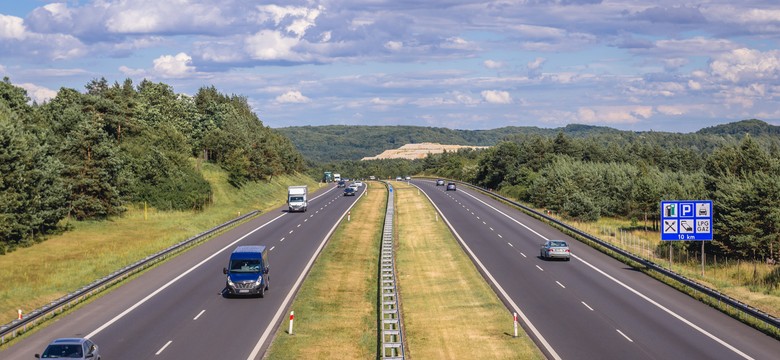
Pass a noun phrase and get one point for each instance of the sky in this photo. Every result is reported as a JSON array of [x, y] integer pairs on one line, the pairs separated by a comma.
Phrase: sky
[[638, 65]]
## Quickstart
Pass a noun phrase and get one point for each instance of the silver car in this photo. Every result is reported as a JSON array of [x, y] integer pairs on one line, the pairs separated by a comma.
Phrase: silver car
[[555, 249], [71, 348]]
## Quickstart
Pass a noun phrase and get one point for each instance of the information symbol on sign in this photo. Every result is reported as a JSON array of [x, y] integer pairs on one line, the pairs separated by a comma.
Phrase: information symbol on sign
[[670, 210]]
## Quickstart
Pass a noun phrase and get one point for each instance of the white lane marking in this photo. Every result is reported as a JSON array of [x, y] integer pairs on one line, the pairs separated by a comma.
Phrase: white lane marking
[[290, 231], [299, 225], [163, 348], [282, 239], [499, 235], [510, 244], [557, 282], [478, 218], [587, 306], [539, 267], [523, 255], [305, 220], [272, 248], [643, 296], [472, 213], [498, 286], [484, 223], [283, 307], [311, 216], [624, 335], [161, 288], [199, 314], [491, 229]]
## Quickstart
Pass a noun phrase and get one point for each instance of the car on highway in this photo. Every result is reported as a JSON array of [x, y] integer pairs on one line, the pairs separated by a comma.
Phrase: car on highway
[[440, 182], [350, 191], [70, 348], [555, 249], [358, 183], [451, 186], [247, 271], [398, 178], [408, 178], [342, 184]]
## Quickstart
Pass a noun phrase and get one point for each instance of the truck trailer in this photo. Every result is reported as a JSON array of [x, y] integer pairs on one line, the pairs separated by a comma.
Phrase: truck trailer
[[297, 198]]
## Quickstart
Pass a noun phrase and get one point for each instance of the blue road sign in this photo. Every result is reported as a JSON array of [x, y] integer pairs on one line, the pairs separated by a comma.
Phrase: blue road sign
[[686, 220]]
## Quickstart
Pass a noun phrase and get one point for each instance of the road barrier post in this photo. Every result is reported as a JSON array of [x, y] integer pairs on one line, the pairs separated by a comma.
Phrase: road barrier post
[[292, 315], [20, 313], [349, 215], [515, 323]]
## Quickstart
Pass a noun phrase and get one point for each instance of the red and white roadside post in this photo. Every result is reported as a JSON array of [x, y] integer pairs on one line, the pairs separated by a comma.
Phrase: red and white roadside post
[[20, 313], [515, 322], [349, 215], [292, 315]]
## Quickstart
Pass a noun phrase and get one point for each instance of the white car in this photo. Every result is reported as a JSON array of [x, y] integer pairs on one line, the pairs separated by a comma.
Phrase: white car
[[354, 186], [358, 183]]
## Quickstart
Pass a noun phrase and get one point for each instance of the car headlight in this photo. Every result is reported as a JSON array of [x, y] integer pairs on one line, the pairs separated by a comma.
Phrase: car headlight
[[230, 283]]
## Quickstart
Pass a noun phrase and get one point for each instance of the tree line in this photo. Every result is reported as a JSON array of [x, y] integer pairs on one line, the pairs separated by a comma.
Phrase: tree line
[[585, 176], [88, 155]]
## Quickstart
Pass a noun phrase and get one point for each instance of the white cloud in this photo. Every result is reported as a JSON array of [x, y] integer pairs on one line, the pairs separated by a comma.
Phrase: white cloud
[[292, 97], [491, 64], [177, 66], [394, 45], [37, 93], [496, 97], [271, 45], [536, 64], [614, 114], [12, 28], [131, 72], [746, 65]]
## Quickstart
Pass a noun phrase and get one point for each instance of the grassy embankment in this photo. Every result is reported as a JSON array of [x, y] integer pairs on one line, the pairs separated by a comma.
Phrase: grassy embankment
[[754, 283], [35, 276], [336, 307], [448, 309]]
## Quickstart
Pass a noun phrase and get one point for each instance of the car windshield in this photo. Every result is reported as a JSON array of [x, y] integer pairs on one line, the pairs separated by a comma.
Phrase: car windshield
[[245, 265], [63, 351], [557, 244], [296, 198]]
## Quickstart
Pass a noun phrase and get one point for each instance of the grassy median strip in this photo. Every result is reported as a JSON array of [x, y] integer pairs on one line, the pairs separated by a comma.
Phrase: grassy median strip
[[336, 307], [448, 310]]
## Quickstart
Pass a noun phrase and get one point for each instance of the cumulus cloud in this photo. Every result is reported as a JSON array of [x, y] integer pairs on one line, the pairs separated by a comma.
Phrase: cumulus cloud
[[169, 66], [11, 28], [271, 45], [292, 97], [491, 64], [298, 18], [39, 94], [746, 65], [496, 97], [394, 45], [614, 114]]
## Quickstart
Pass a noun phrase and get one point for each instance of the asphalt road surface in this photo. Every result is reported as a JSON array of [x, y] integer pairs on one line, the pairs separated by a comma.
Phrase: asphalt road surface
[[592, 307], [176, 310]]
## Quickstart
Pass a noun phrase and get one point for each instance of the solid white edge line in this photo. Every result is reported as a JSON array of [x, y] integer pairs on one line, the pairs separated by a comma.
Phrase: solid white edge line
[[497, 285], [163, 348], [199, 314], [283, 307], [643, 296], [169, 283]]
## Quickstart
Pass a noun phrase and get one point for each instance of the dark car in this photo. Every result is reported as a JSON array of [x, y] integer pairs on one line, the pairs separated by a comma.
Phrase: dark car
[[451, 186], [555, 249], [342, 184], [440, 182], [350, 191], [71, 348]]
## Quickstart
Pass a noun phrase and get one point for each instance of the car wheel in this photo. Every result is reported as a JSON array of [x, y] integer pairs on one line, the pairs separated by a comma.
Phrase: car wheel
[[262, 292]]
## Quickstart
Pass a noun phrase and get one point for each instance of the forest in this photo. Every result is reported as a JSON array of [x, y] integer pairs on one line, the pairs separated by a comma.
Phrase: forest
[[89, 155], [585, 173]]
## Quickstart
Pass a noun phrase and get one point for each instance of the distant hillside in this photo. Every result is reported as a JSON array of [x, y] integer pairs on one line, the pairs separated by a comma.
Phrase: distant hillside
[[419, 151], [321, 144]]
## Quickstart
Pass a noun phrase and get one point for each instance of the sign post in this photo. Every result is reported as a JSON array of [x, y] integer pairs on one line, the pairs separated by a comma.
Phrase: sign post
[[686, 220]]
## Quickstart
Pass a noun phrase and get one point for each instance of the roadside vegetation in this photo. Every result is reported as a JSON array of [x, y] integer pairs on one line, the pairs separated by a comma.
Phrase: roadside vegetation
[[38, 274], [448, 310], [336, 307]]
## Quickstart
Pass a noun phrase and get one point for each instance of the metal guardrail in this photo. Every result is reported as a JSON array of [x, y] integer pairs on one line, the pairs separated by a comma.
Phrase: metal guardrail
[[757, 314], [391, 326], [37, 316]]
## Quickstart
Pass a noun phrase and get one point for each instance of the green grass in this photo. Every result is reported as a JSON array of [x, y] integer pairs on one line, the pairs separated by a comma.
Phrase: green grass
[[39, 274], [336, 307], [442, 292]]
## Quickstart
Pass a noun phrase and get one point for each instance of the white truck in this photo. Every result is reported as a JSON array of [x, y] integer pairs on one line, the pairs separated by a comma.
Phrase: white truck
[[297, 198], [336, 177]]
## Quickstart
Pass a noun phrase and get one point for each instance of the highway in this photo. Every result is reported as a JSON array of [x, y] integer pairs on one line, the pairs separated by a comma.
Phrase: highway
[[176, 310], [592, 307]]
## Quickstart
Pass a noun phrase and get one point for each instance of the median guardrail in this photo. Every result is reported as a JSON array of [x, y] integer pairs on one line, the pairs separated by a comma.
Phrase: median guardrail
[[37, 316], [390, 324], [772, 324]]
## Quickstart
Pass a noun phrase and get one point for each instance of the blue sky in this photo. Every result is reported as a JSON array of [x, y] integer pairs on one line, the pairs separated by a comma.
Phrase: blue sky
[[627, 64]]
